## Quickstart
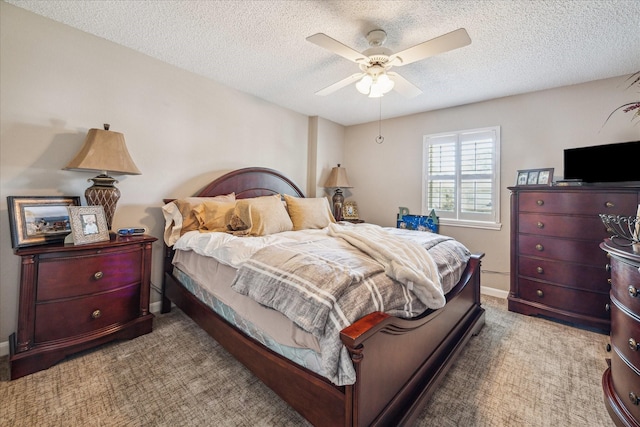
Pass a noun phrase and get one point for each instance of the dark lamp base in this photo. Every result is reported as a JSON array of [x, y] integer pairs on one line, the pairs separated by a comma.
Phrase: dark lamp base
[[103, 193]]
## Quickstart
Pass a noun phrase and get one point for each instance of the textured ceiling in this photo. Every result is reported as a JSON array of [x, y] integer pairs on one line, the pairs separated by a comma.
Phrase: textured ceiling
[[259, 47]]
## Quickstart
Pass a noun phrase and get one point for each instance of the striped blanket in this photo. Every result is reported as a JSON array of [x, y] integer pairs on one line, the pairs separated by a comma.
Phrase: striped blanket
[[325, 284]]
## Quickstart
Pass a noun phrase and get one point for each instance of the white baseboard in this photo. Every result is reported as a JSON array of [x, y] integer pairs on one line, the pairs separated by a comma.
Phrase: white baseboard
[[493, 292]]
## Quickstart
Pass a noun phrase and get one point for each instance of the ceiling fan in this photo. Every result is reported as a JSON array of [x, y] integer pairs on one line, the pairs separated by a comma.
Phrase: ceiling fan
[[375, 79]]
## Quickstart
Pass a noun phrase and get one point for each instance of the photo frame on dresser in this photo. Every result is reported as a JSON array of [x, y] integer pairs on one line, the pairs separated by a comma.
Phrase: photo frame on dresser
[[88, 224], [350, 210], [539, 177], [37, 220]]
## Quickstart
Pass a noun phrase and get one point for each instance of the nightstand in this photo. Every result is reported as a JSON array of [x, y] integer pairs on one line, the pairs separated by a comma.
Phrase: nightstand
[[354, 221], [73, 298]]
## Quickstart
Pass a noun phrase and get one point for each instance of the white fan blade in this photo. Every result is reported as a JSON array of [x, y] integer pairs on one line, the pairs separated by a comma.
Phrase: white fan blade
[[403, 86], [339, 85], [336, 47], [444, 43]]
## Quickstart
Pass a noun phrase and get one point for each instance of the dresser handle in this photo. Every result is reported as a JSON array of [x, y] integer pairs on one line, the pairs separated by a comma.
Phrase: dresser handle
[[539, 247], [633, 291], [607, 307], [607, 267], [539, 293], [540, 202], [608, 348], [540, 270], [98, 275], [540, 224], [634, 398], [96, 314], [609, 205], [634, 345], [609, 281]]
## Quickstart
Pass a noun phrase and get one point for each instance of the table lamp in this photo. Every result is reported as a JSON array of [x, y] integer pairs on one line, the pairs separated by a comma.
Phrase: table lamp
[[338, 180]]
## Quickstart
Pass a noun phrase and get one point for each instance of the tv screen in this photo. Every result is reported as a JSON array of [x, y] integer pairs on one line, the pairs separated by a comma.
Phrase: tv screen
[[604, 163]]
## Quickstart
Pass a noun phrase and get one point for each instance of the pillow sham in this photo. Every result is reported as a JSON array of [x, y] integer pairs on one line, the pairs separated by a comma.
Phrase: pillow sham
[[309, 213], [260, 216], [214, 215], [180, 218]]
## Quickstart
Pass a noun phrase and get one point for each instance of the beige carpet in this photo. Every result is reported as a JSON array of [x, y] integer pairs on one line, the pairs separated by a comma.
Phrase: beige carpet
[[519, 371]]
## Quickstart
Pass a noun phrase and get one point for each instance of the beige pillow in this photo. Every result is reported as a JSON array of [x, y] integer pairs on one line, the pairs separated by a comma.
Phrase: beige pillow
[[309, 213], [180, 218], [260, 216], [214, 215]]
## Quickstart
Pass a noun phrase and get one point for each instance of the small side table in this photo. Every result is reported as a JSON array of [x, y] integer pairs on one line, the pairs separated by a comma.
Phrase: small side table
[[77, 297]]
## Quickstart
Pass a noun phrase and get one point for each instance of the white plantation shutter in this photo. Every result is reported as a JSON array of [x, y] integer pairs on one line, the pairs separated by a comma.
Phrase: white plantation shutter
[[461, 176]]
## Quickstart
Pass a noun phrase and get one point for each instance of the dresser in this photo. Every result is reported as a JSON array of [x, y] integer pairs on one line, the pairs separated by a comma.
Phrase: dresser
[[557, 268], [76, 297], [621, 381]]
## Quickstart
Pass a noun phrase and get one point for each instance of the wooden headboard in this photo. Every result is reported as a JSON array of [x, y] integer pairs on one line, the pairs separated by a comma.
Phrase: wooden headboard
[[251, 182]]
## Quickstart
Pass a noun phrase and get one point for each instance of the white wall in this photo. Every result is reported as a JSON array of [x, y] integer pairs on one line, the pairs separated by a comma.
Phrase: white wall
[[182, 130], [535, 128]]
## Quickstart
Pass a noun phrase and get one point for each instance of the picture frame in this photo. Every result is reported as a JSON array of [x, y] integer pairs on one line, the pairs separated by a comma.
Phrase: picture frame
[[88, 224], [538, 177], [350, 210], [37, 220]]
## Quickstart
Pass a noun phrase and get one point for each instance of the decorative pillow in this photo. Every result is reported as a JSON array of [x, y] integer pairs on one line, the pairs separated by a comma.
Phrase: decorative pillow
[[214, 215], [260, 216], [309, 213], [180, 218]]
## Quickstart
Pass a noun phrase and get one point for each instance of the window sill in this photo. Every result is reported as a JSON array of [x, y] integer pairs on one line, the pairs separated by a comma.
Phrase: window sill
[[470, 224]]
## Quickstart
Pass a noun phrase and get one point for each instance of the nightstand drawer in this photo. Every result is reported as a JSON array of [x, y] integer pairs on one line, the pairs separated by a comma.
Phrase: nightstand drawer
[[71, 317], [573, 275], [578, 203], [581, 302], [579, 251], [625, 285], [626, 383], [626, 336], [88, 274]]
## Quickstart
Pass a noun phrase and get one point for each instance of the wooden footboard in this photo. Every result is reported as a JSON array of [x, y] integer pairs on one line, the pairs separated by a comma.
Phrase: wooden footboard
[[398, 362]]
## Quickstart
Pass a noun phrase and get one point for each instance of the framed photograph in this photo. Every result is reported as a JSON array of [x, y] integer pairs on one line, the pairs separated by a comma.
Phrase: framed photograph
[[350, 210], [37, 220], [535, 177], [88, 224]]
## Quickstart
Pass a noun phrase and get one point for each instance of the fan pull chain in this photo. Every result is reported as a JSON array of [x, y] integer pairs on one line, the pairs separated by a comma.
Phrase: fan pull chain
[[380, 138]]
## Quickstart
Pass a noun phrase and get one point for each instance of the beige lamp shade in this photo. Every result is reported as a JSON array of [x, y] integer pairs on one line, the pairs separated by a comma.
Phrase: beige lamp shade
[[104, 151], [338, 178]]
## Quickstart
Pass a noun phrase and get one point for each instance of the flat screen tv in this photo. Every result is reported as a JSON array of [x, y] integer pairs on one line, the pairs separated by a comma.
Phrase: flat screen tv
[[603, 163]]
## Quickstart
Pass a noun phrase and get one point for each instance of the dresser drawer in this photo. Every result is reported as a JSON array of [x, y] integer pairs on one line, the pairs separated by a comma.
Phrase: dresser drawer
[[625, 382], [577, 276], [71, 317], [625, 334], [578, 203], [576, 227], [88, 274], [586, 303], [580, 251]]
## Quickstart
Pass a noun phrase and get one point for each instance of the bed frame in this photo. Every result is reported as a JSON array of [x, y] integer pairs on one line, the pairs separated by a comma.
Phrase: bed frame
[[398, 362]]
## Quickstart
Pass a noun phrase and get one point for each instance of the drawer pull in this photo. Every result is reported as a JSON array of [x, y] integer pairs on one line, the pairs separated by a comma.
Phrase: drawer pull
[[609, 281], [540, 224], [98, 275], [635, 400], [634, 345], [539, 293], [607, 307], [539, 247], [607, 267], [609, 205], [540, 202], [633, 292], [608, 348], [96, 314], [540, 270]]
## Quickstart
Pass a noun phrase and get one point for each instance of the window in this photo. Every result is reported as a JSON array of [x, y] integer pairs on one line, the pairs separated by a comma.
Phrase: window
[[461, 177]]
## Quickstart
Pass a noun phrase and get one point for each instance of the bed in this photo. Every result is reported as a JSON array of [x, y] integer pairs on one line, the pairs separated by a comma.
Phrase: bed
[[398, 362]]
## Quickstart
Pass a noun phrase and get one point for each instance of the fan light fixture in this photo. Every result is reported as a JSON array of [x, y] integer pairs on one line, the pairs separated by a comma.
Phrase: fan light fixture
[[375, 86]]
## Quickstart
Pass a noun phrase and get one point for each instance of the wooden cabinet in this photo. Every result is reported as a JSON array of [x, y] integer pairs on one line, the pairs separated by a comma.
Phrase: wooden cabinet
[[76, 297], [621, 381], [557, 267]]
